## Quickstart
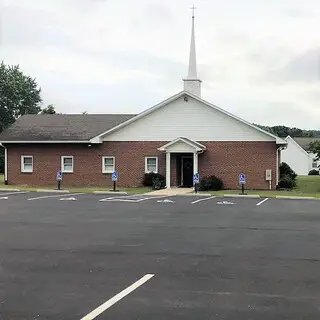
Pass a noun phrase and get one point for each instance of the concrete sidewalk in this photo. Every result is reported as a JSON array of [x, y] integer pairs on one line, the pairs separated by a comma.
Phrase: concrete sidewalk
[[171, 191]]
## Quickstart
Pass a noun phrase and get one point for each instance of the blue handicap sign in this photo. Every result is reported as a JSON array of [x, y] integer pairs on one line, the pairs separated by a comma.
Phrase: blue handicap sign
[[196, 178], [114, 176], [59, 175], [242, 178]]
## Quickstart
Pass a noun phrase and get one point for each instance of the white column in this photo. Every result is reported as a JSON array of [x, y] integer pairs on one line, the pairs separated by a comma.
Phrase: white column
[[168, 170], [195, 163]]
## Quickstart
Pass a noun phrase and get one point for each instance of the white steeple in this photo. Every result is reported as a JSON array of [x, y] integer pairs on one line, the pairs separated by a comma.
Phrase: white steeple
[[192, 83]]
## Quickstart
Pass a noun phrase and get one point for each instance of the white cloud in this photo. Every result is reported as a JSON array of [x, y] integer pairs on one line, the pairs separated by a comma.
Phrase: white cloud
[[122, 56]]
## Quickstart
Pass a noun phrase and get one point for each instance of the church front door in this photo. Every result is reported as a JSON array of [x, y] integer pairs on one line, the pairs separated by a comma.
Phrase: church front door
[[187, 171]]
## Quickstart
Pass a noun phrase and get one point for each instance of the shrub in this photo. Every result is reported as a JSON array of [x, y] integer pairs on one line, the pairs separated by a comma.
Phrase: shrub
[[285, 170], [155, 180], [211, 183], [313, 172], [286, 182], [287, 179], [147, 179]]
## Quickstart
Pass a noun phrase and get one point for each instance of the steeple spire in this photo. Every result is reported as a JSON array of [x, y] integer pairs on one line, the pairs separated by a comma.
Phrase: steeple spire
[[192, 83], [192, 58]]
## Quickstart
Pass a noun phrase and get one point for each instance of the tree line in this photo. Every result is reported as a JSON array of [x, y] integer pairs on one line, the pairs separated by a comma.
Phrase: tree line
[[20, 95], [283, 131]]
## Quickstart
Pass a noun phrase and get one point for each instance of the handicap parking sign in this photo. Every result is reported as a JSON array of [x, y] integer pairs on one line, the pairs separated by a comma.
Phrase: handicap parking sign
[[59, 175], [196, 178], [115, 176], [242, 178]]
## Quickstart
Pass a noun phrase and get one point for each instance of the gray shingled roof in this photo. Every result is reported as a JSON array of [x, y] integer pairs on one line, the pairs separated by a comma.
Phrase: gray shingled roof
[[62, 127], [304, 142]]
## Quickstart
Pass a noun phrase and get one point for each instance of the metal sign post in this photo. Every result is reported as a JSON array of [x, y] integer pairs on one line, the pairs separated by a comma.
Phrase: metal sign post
[[196, 180], [242, 181], [114, 178], [59, 179]]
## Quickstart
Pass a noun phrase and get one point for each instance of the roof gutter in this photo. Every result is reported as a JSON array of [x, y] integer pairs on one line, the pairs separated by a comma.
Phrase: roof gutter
[[51, 141]]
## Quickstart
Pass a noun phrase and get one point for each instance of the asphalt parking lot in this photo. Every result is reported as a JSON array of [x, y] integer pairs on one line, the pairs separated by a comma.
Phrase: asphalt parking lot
[[73, 256]]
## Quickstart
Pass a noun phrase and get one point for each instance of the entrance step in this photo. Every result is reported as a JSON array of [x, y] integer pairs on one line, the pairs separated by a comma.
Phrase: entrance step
[[171, 191]]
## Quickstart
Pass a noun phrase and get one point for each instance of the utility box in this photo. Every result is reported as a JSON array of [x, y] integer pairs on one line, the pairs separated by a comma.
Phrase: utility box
[[268, 175]]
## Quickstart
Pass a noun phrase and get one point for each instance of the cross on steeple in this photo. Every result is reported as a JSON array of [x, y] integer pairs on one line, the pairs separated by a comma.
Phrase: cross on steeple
[[193, 8]]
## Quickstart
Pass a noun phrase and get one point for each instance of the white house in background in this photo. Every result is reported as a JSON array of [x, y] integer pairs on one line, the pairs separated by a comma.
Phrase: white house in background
[[298, 155]]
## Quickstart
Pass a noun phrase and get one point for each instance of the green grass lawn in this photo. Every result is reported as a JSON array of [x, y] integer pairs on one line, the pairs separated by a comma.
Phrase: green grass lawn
[[307, 186], [74, 189]]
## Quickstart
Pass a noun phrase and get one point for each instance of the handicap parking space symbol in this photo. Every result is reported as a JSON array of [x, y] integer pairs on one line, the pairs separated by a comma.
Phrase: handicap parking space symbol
[[114, 176]]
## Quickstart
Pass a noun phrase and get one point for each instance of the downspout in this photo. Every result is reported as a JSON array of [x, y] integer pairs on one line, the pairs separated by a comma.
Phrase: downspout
[[278, 162], [5, 164]]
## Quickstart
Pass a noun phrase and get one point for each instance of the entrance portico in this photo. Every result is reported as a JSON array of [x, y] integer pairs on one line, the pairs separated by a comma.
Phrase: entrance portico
[[186, 154]]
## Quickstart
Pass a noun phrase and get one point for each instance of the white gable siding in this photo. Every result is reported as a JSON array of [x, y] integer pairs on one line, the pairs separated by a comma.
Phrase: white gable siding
[[193, 120], [297, 158], [180, 147]]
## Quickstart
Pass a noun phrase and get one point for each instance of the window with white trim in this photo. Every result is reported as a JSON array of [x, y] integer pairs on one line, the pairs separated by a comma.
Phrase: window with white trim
[[108, 164], [151, 164], [67, 163], [26, 163]]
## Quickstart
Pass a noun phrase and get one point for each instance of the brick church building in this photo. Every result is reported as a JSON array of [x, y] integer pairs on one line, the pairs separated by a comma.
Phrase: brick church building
[[178, 137]]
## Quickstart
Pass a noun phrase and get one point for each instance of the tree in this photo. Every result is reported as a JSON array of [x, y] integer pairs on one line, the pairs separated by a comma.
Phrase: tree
[[315, 148], [48, 110], [19, 95], [284, 131]]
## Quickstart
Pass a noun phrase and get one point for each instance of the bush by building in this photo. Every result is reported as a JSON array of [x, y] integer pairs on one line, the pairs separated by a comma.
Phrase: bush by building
[[287, 177], [211, 183]]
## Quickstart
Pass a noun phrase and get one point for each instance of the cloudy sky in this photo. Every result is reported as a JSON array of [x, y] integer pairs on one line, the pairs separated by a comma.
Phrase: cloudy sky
[[257, 59]]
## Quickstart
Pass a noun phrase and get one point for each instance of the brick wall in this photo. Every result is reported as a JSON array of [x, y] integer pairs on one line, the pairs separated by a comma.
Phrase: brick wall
[[129, 160], [227, 159], [224, 159]]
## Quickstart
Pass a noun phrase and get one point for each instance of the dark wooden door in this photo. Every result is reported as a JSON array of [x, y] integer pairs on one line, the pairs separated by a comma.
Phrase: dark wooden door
[[187, 172]]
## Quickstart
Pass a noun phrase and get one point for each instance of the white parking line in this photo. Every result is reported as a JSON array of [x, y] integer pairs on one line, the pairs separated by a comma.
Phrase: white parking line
[[117, 199], [55, 196], [92, 315], [261, 202], [203, 199], [152, 198], [12, 193], [125, 198], [120, 197]]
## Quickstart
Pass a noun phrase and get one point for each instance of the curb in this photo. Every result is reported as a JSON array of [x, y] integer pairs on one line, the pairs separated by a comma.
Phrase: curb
[[56, 191], [298, 198], [197, 194], [6, 189], [111, 192], [241, 196]]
